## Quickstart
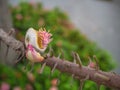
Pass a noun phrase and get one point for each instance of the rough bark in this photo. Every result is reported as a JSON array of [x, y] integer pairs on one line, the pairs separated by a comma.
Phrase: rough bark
[[6, 24], [5, 18], [10, 48], [100, 77]]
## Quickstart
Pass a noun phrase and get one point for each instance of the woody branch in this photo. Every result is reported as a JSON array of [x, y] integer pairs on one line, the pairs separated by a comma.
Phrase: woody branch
[[79, 71]]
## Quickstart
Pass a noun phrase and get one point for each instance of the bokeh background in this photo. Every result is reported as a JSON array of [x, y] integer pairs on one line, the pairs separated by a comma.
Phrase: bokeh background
[[88, 27], [99, 20]]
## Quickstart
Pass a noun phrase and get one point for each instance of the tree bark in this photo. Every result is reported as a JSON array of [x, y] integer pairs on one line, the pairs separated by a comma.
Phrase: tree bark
[[100, 77], [5, 18], [15, 48], [7, 55]]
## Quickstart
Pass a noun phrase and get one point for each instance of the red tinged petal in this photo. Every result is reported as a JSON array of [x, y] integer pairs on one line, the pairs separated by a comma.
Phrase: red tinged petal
[[33, 55]]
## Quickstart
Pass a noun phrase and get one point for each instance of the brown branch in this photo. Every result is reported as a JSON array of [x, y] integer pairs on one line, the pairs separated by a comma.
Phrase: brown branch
[[102, 78], [10, 41]]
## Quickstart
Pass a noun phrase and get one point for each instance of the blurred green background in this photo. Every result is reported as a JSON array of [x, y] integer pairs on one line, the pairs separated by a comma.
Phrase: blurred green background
[[65, 36]]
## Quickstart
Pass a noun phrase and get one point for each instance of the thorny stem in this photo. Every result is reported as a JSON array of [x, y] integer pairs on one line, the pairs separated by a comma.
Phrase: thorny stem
[[100, 77]]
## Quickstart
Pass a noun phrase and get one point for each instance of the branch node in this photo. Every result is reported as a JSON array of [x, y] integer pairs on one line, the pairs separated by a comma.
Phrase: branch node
[[97, 63], [53, 69], [77, 58]]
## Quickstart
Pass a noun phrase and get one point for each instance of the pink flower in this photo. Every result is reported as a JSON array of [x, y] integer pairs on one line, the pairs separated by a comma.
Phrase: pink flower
[[5, 86], [92, 65], [45, 37], [38, 39], [33, 55]]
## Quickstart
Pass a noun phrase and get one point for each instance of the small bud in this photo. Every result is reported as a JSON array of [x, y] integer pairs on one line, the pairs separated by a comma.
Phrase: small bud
[[92, 65]]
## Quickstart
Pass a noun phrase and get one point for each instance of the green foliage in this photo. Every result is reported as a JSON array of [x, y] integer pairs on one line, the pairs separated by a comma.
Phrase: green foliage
[[13, 77], [65, 37]]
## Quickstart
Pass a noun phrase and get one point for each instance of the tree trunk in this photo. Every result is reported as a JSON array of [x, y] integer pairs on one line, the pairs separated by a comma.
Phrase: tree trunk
[[7, 55], [5, 19]]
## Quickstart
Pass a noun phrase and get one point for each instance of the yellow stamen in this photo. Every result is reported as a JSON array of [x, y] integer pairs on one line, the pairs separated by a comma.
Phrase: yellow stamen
[[39, 41]]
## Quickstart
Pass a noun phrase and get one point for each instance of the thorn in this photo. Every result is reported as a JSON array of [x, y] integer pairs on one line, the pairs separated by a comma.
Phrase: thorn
[[42, 68], [53, 69], [77, 58], [74, 61], [71, 81], [90, 61], [82, 82], [98, 75], [59, 56], [97, 63]]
